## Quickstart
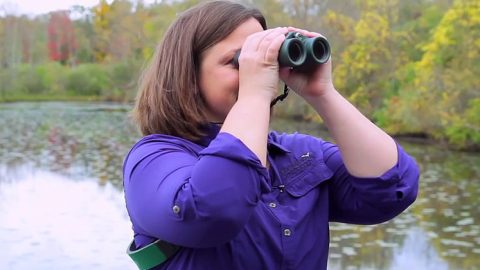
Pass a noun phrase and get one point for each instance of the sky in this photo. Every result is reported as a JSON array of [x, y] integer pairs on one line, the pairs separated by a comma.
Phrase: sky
[[35, 7]]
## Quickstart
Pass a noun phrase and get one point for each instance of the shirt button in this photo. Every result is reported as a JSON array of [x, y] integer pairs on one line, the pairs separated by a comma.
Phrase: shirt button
[[176, 209], [287, 232], [272, 205]]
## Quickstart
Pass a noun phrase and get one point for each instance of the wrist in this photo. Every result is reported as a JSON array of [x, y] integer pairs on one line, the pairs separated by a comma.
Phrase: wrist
[[255, 95], [324, 93]]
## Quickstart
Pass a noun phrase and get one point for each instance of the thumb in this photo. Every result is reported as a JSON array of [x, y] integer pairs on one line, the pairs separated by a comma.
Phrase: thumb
[[284, 74], [291, 78]]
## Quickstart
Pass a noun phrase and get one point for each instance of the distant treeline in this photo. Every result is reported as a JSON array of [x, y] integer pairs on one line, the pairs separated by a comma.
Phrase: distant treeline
[[412, 66]]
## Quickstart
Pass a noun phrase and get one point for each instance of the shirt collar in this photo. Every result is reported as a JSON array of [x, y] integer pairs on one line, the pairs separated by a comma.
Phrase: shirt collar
[[212, 129], [274, 147]]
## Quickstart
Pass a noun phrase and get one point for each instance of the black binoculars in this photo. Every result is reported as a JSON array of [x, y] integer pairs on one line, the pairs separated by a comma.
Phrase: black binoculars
[[299, 52]]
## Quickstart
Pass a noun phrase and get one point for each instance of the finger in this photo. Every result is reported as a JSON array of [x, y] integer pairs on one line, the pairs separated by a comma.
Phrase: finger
[[257, 44], [305, 32], [271, 54], [284, 74], [301, 31], [268, 36], [275, 39], [250, 43]]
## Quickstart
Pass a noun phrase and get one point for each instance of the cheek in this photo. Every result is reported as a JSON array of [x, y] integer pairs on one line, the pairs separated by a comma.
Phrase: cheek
[[231, 79], [225, 82], [219, 86], [225, 76]]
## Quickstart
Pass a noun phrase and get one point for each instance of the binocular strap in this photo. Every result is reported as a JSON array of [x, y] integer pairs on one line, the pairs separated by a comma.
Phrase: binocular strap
[[281, 97]]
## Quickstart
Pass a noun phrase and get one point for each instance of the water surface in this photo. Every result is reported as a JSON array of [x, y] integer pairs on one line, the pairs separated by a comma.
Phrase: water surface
[[62, 207]]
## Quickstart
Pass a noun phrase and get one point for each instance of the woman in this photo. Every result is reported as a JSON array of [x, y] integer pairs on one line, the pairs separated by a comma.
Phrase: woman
[[210, 178]]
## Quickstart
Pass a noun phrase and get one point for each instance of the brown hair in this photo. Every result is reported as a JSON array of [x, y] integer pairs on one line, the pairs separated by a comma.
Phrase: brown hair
[[169, 99]]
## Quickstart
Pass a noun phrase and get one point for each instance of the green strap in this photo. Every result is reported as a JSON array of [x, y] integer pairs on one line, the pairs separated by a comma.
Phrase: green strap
[[152, 254]]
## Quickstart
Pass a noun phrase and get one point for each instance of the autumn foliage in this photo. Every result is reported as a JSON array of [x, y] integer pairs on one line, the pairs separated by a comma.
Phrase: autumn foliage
[[61, 37], [411, 66]]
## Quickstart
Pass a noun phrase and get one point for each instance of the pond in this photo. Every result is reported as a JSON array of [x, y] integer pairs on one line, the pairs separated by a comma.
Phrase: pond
[[62, 206]]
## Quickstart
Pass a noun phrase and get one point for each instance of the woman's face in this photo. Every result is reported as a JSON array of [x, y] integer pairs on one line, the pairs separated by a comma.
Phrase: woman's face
[[218, 76]]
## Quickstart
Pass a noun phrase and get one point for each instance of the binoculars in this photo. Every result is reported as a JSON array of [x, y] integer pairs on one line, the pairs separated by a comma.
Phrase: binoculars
[[301, 53]]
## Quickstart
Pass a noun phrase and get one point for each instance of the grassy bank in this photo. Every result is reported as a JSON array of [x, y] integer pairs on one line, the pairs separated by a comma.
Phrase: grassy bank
[[117, 82], [85, 82], [44, 98]]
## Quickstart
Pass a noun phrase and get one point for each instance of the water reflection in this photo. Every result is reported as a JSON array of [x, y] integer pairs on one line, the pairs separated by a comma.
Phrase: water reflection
[[70, 138], [61, 197], [440, 231], [417, 243], [449, 207], [52, 222], [414, 253]]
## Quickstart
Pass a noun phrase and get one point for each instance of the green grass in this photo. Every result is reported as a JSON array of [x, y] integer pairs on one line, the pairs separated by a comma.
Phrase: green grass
[[48, 97]]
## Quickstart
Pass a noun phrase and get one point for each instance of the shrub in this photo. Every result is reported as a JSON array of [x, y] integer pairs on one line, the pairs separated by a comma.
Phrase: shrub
[[88, 79]]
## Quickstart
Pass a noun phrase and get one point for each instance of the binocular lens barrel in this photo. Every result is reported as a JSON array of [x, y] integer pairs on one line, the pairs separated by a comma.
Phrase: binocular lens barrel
[[319, 49], [301, 53], [292, 53], [295, 51]]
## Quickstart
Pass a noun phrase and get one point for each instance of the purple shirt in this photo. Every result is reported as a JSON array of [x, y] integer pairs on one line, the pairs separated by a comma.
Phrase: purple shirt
[[216, 200]]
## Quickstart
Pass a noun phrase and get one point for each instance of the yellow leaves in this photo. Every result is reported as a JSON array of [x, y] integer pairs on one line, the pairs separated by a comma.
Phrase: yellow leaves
[[341, 22], [101, 26], [476, 45], [363, 64], [447, 74], [372, 26], [101, 14], [445, 39], [456, 23], [387, 8]]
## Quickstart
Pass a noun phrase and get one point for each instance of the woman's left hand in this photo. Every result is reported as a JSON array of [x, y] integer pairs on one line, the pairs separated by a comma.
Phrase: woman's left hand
[[309, 85]]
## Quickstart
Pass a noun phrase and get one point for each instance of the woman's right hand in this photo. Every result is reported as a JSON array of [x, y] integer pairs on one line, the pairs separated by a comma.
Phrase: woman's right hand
[[258, 64]]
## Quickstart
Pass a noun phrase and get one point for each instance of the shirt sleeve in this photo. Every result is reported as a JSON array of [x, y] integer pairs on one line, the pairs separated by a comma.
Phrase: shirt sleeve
[[370, 200], [192, 199]]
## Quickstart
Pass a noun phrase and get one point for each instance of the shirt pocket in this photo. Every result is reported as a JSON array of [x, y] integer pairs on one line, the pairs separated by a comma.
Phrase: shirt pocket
[[305, 174]]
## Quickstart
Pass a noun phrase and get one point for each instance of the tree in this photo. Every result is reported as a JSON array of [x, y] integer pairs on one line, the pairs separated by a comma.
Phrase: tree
[[448, 71], [84, 32], [101, 26], [367, 65], [118, 29], [443, 98], [61, 37]]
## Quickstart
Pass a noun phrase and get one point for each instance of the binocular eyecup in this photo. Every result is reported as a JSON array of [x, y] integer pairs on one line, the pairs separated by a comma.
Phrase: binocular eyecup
[[301, 53]]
